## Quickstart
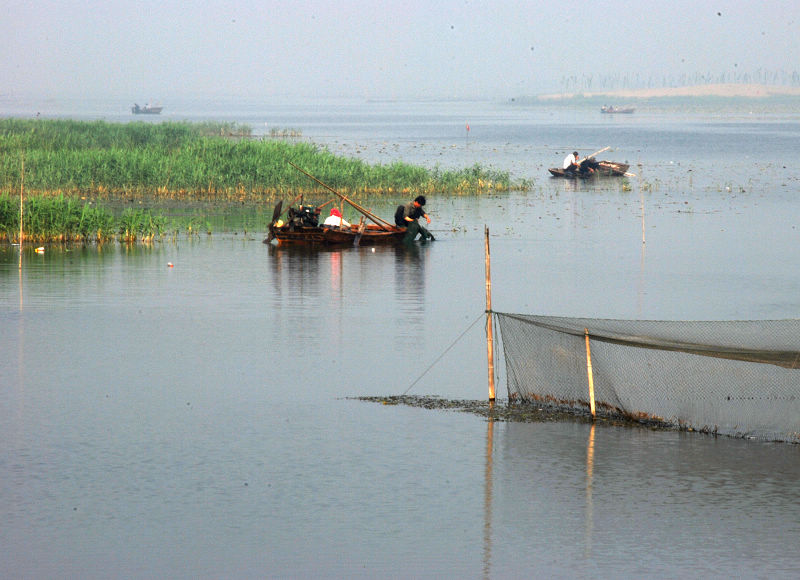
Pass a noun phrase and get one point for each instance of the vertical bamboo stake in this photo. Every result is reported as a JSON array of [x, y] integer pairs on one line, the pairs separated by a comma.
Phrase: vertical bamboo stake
[[641, 194], [21, 195], [589, 371], [489, 336]]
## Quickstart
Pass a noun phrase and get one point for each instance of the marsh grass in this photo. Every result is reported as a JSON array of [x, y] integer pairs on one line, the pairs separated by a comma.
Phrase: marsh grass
[[62, 219], [205, 161]]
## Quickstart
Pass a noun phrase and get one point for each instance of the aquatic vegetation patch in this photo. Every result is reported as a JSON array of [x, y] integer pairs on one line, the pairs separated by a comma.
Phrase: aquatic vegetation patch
[[214, 162], [64, 219]]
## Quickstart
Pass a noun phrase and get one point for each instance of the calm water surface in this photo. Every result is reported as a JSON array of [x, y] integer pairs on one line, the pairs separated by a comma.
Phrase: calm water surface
[[196, 420]]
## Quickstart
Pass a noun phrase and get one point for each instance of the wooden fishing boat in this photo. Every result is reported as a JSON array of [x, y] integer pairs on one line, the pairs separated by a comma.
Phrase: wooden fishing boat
[[355, 235], [302, 225], [146, 110], [603, 169]]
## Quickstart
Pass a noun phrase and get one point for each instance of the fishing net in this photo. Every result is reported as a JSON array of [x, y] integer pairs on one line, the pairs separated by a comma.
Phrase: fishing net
[[738, 378]]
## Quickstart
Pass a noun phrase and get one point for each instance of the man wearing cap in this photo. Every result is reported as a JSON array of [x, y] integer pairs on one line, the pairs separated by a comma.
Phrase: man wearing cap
[[407, 216]]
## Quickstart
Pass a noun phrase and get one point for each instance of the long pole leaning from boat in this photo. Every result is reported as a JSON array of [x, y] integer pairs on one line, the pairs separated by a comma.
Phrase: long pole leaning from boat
[[381, 222], [489, 334], [595, 153]]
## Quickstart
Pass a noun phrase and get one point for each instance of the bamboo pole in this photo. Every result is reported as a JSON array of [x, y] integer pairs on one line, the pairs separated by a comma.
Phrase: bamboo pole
[[641, 197], [595, 153], [21, 196], [489, 334], [381, 222], [589, 371]]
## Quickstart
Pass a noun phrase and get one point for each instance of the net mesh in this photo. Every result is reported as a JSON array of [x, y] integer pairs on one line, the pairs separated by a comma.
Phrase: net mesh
[[738, 378]]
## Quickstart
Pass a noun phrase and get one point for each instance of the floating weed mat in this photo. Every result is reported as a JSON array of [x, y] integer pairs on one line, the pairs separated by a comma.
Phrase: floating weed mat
[[513, 412]]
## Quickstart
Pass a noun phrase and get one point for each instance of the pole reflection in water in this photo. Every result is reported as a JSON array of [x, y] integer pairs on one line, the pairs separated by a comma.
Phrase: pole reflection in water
[[487, 500], [589, 481], [336, 273], [20, 277], [410, 279]]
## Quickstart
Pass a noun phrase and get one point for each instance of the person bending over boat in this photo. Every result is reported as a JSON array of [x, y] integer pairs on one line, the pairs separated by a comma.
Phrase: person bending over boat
[[407, 216], [573, 164], [336, 220]]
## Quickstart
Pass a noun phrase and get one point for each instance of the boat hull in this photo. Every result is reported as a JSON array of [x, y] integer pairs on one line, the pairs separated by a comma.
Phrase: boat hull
[[617, 110], [322, 236], [604, 169], [137, 110]]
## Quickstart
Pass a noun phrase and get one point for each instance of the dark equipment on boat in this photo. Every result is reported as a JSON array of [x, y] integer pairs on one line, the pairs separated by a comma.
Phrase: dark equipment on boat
[[305, 215]]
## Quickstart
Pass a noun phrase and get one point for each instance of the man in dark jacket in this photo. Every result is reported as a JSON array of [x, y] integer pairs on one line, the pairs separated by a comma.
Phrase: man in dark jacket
[[407, 216]]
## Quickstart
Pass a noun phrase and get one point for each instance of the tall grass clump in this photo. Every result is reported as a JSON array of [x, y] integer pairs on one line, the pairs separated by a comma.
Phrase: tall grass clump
[[135, 224], [64, 219], [203, 161]]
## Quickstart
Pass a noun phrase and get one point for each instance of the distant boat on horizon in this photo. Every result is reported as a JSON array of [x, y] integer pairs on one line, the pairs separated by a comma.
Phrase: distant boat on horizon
[[146, 110], [613, 109]]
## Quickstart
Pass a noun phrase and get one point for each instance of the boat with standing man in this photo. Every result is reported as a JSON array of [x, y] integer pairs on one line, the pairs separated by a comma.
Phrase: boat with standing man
[[148, 109], [610, 109]]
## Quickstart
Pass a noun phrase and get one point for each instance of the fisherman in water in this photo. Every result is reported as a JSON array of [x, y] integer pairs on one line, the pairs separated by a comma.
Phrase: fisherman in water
[[407, 216]]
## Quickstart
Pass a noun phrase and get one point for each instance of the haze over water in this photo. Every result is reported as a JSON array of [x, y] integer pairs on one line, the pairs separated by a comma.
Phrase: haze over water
[[413, 49]]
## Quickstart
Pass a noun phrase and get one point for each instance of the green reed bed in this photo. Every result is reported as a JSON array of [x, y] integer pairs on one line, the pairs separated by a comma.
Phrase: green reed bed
[[205, 161], [64, 219]]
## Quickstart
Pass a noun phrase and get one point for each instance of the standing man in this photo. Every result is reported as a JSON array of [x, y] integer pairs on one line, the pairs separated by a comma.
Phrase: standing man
[[407, 216]]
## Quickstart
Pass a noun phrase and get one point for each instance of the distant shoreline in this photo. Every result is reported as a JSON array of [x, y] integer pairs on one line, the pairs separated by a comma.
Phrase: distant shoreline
[[751, 91]]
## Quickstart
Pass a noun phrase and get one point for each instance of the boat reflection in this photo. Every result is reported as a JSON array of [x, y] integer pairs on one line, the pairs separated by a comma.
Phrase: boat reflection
[[410, 277]]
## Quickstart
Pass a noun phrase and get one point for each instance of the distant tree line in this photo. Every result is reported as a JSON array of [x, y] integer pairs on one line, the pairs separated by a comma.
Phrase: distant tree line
[[597, 82]]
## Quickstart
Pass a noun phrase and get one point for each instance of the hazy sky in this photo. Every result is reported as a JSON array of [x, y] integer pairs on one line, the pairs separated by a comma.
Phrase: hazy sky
[[143, 50]]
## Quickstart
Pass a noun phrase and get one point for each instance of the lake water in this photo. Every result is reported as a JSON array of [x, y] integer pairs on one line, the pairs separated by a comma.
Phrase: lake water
[[199, 421]]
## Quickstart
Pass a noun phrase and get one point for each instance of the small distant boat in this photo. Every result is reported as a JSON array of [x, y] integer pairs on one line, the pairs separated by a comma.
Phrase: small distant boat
[[618, 110], [146, 110], [603, 169]]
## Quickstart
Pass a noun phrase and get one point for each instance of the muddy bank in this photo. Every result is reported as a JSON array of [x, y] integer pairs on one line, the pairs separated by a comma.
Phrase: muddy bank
[[511, 412]]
